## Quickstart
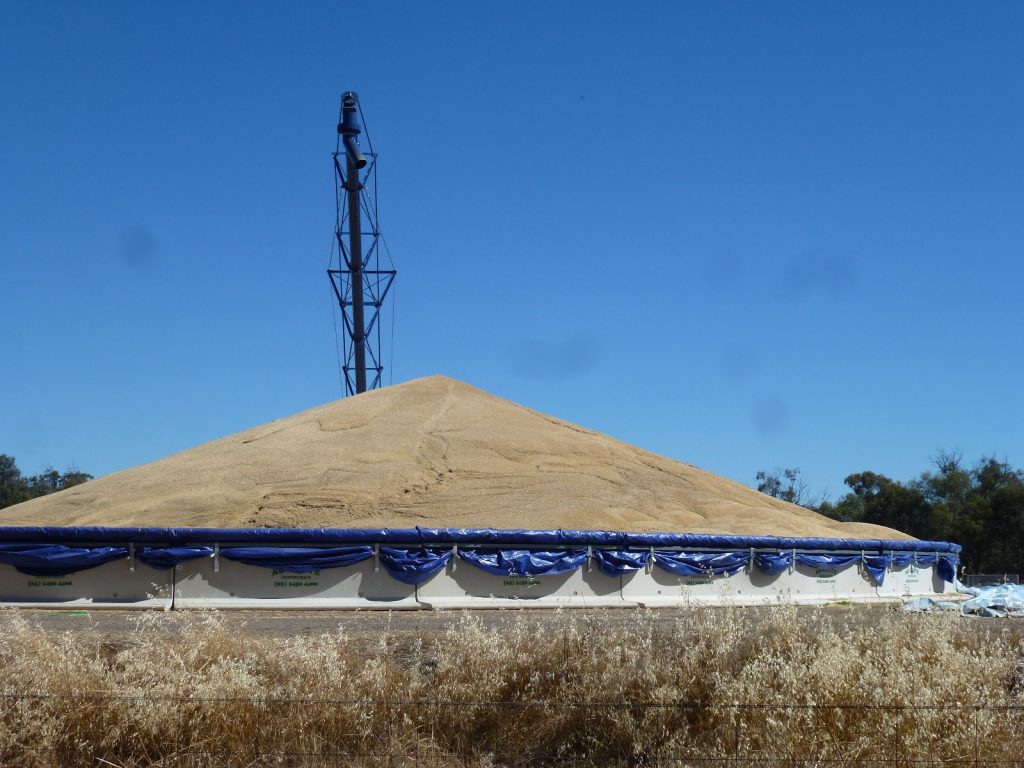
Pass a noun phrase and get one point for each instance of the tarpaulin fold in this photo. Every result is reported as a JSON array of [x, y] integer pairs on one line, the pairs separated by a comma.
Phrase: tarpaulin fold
[[900, 559], [413, 566], [524, 562], [876, 566], [826, 561], [505, 538], [618, 562], [772, 563], [57, 559], [162, 558], [946, 568], [298, 559], [702, 563], [413, 555]]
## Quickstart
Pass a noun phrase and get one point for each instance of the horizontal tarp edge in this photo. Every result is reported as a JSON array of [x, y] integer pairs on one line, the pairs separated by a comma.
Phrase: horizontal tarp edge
[[448, 536]]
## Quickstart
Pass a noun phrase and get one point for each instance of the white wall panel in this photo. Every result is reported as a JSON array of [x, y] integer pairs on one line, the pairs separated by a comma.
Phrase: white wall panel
[[198, 584], [658, 587], [204, 583], [466, 586], [750, 587], [816, 584], [111, 585], [913, 580]]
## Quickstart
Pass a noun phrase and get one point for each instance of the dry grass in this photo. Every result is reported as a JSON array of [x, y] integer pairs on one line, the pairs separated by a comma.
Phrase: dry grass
[[797, 684]]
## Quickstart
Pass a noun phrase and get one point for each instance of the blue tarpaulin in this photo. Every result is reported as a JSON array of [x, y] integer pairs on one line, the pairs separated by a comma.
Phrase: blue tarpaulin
[[826, 561], [617, 562], [523, 562], [163, 558], [298, 559], [946, 568], [413, 555], [57, 559], [413, 566], [493, 537], [875, 565], [773, 562], [702, 563], [899, 560]]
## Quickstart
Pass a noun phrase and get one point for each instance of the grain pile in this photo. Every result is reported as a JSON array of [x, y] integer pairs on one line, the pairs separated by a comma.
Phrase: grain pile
[[430, 452]]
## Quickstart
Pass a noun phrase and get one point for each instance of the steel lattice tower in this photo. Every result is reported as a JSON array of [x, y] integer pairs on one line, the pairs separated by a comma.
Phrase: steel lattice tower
[[359, 284]]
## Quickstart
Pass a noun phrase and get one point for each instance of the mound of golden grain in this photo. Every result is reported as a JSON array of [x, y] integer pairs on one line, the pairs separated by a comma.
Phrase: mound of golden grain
[[431, 452]]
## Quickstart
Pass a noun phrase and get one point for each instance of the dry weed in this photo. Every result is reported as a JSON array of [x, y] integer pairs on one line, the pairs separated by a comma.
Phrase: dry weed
[[803, 684]]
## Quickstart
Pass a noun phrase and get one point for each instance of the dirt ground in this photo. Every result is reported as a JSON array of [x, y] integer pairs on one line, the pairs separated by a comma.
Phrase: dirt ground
[[407, 625]]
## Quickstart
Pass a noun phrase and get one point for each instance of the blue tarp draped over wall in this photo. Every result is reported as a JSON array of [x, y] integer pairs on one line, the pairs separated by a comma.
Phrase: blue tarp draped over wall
[[702, 563], [524, 562], [298, 559], [512, 538], [773, 562], [826, 561], [163, 558], [56, 551], [57, 560], [617, 562], [900, 559], [876, 566], [413, 566], [947, 568]]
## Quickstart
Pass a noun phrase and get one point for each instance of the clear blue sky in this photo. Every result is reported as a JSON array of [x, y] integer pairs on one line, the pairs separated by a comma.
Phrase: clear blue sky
[[744, 235]]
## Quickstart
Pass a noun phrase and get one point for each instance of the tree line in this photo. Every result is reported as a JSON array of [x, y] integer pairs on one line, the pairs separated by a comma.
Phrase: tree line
[[16, 487], [980, 507]]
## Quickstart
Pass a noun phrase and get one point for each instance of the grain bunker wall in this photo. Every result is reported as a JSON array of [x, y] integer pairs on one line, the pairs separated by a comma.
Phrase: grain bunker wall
[[452, 568]]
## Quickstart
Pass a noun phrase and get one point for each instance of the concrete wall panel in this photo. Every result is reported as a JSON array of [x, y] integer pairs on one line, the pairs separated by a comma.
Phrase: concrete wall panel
[[817, 584], [462, 585], [913, 580], [658, 587], [205, 583], [201, 584], [111, 585]]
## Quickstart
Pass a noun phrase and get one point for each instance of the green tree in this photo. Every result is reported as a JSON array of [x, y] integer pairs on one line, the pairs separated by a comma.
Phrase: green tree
[[849, 509], [16, 488], [890, 503], [788, 485], [981, 508]]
